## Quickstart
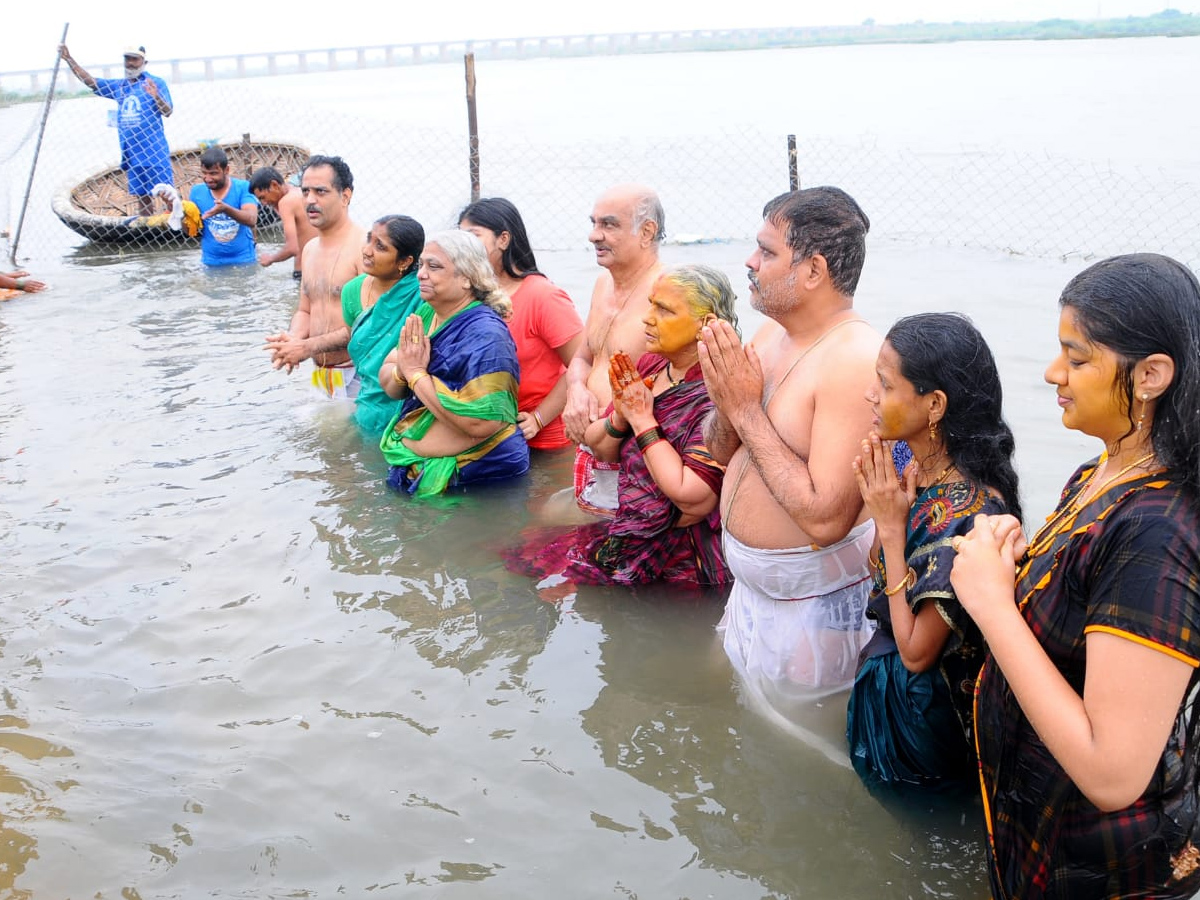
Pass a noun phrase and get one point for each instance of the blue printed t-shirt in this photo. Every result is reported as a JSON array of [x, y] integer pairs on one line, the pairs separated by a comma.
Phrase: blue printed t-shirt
[[225, 241], [139, 123]]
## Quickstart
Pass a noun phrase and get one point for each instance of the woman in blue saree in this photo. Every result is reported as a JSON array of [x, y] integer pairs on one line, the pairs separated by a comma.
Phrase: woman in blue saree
[[909, 719], [455, 368], [375, 306]]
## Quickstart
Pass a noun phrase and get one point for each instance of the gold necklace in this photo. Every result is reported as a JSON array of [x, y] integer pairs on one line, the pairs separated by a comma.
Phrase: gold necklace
[[1065, 517], [942, 474], [370, 300], [381, 286]]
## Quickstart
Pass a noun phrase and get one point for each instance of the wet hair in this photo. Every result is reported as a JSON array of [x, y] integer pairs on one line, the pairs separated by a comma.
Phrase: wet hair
[[214, 157], [498, 215], [707, 290], [406, 236], [648, 208], [945, 352], [465, 252], [1137, 305], [824, 220], [263, 178], [342, 179]]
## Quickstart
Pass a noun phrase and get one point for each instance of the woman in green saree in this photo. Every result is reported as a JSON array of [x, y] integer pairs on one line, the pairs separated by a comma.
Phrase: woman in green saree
[[375, 306]]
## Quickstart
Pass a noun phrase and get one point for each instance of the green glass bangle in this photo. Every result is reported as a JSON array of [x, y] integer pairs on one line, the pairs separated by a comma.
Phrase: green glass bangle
[[613, 432]]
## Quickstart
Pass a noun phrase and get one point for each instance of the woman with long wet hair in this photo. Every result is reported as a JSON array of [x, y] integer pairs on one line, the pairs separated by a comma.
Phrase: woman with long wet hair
[[937, 389], [1086, 715], [545, 325]]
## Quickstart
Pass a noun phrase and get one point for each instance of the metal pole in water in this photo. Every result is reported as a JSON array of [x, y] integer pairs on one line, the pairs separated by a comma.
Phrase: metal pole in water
[[12, 257], [793, 166]]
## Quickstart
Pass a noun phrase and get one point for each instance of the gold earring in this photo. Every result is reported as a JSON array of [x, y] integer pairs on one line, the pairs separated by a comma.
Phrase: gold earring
[[933, 436], [1142, 416]]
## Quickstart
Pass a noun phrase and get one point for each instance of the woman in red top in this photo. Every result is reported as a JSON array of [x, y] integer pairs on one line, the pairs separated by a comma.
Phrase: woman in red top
[[544, 323]]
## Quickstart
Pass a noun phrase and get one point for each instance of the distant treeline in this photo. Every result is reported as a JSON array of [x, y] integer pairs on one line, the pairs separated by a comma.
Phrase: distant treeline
[[1168, 23]]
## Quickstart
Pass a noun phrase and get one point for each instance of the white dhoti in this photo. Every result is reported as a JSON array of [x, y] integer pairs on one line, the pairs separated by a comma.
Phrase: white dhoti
[[336, 382], [796, 619], [595, 483]]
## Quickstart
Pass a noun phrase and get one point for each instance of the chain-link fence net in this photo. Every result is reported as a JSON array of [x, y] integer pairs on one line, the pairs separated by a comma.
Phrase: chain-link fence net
[[713, 185]]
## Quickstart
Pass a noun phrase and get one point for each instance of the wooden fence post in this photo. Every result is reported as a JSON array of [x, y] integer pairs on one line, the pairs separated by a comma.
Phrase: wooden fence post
[[472, 126]]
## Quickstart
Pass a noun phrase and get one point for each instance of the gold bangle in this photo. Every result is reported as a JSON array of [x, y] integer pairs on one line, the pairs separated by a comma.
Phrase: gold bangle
[[909, 579], [412, 385], [537, 417], [397, 377]]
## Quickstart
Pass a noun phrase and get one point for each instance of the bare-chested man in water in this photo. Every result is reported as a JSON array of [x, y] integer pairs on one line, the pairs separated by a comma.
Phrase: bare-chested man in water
[[271, 190], [628, 225], [318, 331], [789, 418]]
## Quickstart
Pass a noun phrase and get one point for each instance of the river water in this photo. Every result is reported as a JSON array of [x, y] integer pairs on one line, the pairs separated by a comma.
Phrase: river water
[[235, 665]]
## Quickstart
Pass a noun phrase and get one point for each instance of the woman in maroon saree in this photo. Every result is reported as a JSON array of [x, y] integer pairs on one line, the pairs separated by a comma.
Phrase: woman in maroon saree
[[667, 527]]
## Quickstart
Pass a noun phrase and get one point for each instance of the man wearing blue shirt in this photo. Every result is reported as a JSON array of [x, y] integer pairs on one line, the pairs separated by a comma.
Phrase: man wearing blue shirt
[[142, 102], [229, 211]]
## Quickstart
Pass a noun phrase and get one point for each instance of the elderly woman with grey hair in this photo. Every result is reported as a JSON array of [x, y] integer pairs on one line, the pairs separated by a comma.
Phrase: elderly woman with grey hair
[[455, 368], [667, 526]]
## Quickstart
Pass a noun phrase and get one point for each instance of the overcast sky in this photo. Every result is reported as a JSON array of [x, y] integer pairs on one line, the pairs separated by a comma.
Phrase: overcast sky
[[98, 32]]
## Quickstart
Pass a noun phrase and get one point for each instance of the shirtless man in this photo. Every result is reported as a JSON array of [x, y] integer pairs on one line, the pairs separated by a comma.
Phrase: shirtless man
[[628, 225], [789, 416], [318, 331], [271, 190]]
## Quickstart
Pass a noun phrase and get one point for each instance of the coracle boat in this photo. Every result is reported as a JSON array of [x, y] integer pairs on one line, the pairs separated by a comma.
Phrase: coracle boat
[[99, 207]]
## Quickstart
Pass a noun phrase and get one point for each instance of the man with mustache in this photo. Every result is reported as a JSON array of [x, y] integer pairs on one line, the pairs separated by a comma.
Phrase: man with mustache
[[628, 225], [318, 331], [790, 415], [142, 102]]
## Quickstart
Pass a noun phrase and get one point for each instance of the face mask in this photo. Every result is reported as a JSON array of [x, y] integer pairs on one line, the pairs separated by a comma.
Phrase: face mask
[[134, 72]]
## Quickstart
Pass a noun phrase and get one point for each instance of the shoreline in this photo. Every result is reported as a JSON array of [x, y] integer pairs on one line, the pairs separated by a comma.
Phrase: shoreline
[[1168, 23]]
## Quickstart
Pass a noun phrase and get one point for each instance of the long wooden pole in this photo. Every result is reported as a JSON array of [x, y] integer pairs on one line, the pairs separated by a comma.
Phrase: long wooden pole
[[472, 126], [12, 257]]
